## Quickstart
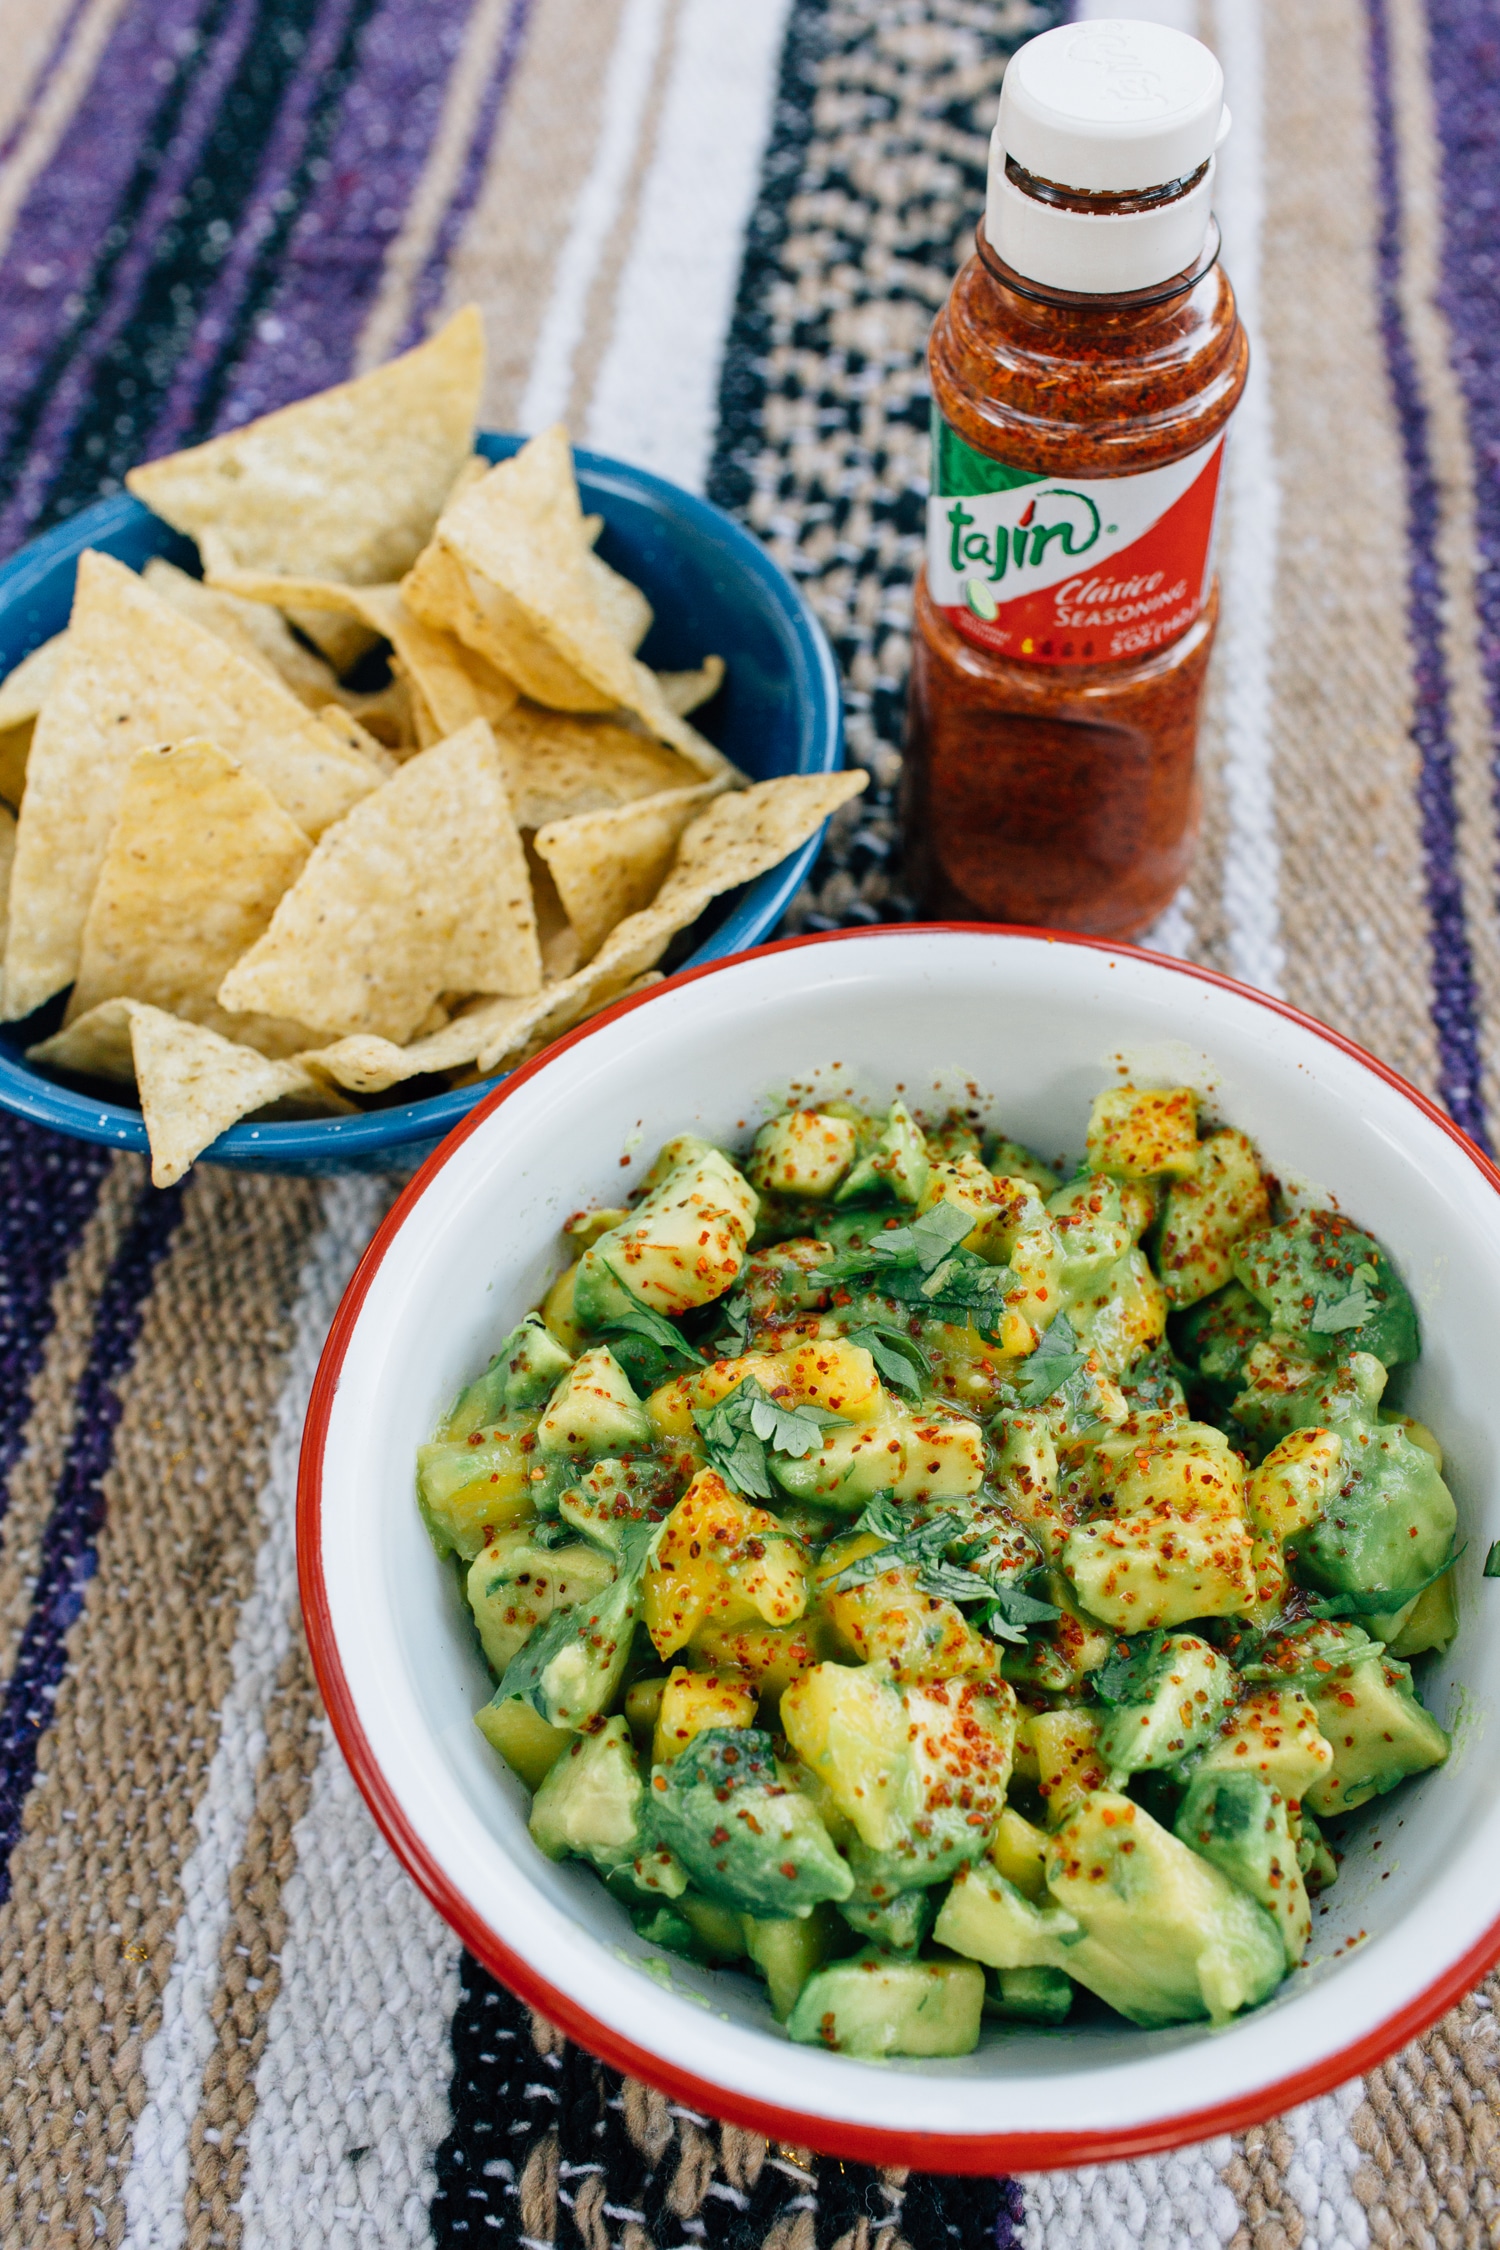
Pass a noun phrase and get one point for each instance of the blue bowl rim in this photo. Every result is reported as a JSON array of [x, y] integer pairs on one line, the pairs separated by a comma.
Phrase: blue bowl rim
[[418, 1125]]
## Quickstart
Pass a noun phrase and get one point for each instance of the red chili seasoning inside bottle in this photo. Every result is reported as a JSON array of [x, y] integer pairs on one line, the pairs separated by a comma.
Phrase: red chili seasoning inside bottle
[[1083, 372]]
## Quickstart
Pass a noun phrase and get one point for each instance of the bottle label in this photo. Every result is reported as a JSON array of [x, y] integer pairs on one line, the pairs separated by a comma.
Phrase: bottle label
[[1068, 570]]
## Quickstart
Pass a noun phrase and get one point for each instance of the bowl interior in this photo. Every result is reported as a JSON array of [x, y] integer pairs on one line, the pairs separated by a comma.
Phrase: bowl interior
[[712, 588], [1025, 1031]]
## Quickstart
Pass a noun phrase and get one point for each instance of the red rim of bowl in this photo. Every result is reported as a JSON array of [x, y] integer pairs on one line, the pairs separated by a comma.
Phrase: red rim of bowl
[[932, 2152]]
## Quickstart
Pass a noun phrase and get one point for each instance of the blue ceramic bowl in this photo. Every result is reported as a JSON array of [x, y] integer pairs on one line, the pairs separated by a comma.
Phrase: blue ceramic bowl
[[712, 588]]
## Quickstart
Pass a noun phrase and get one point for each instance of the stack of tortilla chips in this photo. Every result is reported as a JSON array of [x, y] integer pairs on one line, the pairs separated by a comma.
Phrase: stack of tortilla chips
[[274, 893]]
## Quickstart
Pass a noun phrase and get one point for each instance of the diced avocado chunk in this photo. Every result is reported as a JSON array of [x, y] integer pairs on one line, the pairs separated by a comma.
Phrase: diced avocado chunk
[[1216, 1338], [1206, 1214], [1431, 1622], [571, 1670], [514, 1586], [1028, 1995], [529, 1746], [589, 1806], [786, 1952], [1089, 1216], [878, 2004], [1012, 1160], [850, 1466], [1388, 1529], [1168, 1700], [609, 1497], [521, 1374], [594, 1410], [987, 1919], [1378, 1731], [648, 1879], [900, 1924], [746, 1838], [682, 1246], [692, 1925], [802, 1152], [718, 1929], [920, 1769], [468, 1487], [1325, 1281], [1184, 1940], [1283, 1388], [1274, 1733], [1239, 1823], [1158, 1934], [897, 1166]]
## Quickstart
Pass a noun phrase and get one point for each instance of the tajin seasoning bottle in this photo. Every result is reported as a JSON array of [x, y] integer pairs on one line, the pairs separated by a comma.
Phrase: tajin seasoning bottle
[[1083, 371]]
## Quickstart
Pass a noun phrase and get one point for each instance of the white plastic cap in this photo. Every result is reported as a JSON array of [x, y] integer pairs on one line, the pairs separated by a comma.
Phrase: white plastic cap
[[1110, 107]]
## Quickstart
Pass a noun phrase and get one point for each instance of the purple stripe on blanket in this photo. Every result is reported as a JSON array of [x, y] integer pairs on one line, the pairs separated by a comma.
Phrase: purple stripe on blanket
[[66, 217], [48, 1189], [1465, 47], [306, 337], [1454, 1007], [286, 148], [177, 164], [428, 293], [70, 1541]]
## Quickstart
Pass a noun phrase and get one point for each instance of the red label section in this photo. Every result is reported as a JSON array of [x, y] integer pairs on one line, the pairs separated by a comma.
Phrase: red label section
[[1137, 601]]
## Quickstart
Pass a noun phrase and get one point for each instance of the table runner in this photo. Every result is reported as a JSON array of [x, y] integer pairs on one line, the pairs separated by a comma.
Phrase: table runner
[[712, 233]]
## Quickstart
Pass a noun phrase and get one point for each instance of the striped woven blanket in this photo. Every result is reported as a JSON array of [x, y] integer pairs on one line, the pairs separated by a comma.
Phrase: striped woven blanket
[[712, 234]]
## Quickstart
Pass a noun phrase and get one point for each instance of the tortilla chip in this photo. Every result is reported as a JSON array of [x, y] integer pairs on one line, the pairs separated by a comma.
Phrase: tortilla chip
[[456, 685], [684, 691], [610, 864], [507, 571], [368, 1065], [621, 604], [347, 728], [740, 835], [347, 484], [744, 833], [135, 674], [421, 890], [556, 766], [198, 857], [22, 694], [193, 1084], [258, 634], [24, 689]]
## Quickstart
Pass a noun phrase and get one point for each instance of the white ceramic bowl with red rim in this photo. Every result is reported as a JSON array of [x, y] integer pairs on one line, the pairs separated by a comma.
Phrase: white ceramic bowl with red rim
[[1036, 1024]]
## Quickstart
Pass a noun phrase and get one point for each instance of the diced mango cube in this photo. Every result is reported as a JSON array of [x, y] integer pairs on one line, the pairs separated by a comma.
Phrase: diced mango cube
[[692, 1702], [720, 1562], [1143, 1132], [1293, 1483]]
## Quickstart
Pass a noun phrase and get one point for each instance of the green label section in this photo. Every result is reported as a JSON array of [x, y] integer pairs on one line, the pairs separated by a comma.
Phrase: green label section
[[959, 472]]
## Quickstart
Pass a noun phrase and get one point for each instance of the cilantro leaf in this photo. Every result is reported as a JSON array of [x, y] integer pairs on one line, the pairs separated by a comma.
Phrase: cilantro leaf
[[884, 1518], [1018, 1607], [1332, 1315], [917, 1247], [1128, 1670], [899, 1358], [652, 1327], [1055, 1361], [1492, 1561], [906, 1546], [737, 1432], [734, 1335]]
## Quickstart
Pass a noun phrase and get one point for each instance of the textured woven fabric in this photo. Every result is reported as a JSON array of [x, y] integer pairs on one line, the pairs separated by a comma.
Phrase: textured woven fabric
[[712, 234]]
